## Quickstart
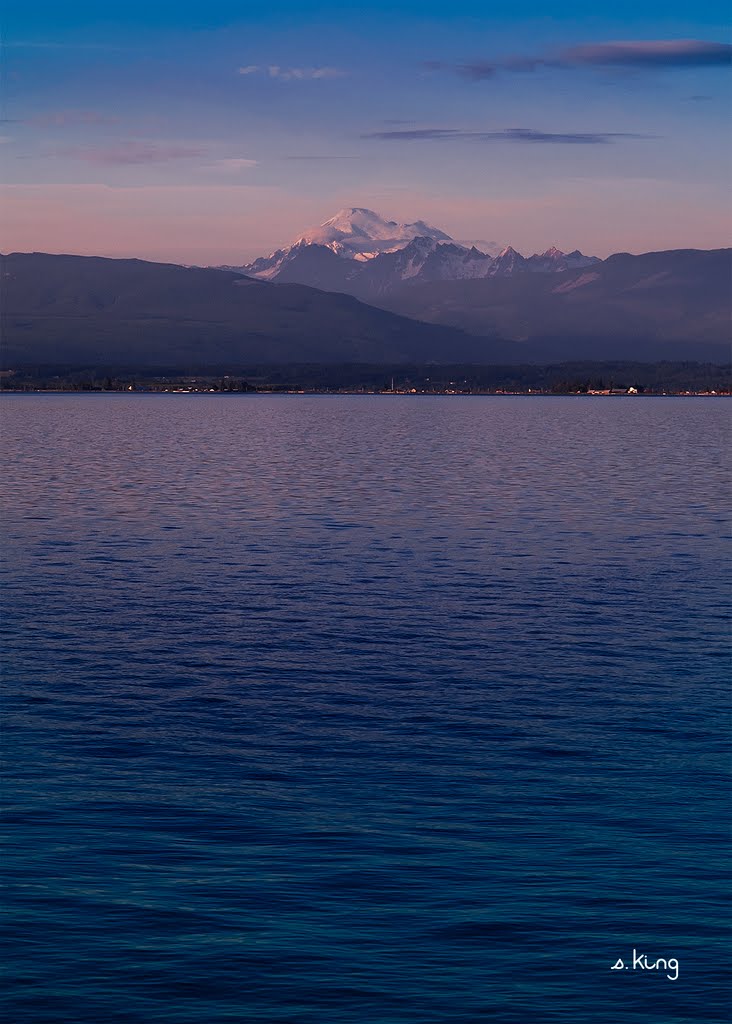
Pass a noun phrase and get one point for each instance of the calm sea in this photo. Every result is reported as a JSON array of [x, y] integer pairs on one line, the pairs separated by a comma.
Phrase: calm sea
[[365, 710]]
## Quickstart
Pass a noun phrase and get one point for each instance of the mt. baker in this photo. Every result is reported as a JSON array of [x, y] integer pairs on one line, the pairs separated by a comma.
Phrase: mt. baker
[[658, 305], [360, 253], [360, 234]]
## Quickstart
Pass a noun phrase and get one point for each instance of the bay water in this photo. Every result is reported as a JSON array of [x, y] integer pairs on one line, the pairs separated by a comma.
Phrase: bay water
[[365, 709]]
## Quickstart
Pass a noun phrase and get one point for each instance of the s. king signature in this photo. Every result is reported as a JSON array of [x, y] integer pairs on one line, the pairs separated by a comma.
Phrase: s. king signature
[[642, 963]]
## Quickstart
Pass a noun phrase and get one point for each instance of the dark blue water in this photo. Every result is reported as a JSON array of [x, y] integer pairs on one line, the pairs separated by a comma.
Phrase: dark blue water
[[385, 710]]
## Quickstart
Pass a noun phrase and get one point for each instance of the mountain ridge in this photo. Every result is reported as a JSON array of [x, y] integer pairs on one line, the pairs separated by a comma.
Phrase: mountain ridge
[[66, 309], [89, 310], [673, 303], [368, 249], [665, 304]]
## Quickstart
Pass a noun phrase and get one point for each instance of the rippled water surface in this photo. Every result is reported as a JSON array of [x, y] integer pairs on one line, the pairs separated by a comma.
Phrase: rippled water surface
[[369, 710]]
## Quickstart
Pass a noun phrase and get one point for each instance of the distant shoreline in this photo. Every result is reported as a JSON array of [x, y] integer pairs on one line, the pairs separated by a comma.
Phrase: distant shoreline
[[581, 378], [149, 392]]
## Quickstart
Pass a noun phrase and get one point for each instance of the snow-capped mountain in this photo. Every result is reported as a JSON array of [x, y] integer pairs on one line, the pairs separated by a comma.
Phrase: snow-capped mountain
[[554, 261], [359, 252], [354, 233], [424, 259], [507, 263], [357, 233]]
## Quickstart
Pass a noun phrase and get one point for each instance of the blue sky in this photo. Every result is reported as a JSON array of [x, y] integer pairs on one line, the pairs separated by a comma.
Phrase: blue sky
[[214, 133]]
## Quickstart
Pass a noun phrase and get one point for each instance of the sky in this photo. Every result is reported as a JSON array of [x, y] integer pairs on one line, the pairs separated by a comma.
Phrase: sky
[[216, 133]]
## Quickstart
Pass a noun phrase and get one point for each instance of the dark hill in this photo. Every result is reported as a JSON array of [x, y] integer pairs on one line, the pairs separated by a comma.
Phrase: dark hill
[[89, 311]]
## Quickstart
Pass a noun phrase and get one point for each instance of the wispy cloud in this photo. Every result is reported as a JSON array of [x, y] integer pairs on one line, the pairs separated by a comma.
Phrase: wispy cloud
[[503, 135], [138, 152], [649, 54], [131, 152], [231, 165], [70, 118], [63, 119], [291, 74], [303, 74], [28, 44], [321, 158]]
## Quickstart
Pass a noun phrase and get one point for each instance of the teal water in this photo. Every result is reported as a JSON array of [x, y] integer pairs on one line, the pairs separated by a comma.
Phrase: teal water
[[364, 709]]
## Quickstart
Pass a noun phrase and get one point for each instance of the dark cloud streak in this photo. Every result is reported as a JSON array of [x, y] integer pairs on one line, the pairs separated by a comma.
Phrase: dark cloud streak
[[525, 135], [658, 54]]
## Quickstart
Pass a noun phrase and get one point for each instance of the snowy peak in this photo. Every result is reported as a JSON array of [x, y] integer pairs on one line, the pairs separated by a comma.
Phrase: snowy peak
[[554, 261], [358, 232], [507, 262], [577, 259], [426, 259], [358, 251]]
